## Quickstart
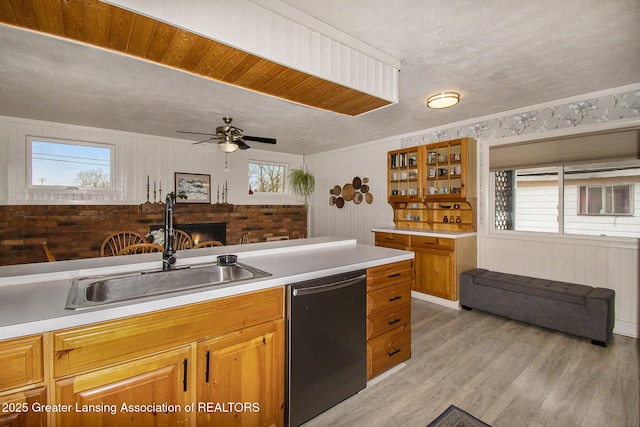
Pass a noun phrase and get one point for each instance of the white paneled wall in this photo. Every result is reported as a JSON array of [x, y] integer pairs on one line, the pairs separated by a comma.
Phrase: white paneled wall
[[594, 262], [136, 156], [338, 168], [276, 31]]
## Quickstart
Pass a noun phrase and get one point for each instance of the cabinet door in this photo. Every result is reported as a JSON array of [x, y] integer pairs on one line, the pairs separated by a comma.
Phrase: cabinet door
[[17, 409], [434, 273], [404, 174], [241, 377], [22, 362], [107, 396]]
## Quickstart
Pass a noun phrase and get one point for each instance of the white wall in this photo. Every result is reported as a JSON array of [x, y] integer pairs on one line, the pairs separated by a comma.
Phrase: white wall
[[605, 262], [339, 168], [136, 156]]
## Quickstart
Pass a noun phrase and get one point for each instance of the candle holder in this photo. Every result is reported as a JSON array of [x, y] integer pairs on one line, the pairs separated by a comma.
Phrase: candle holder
[[148, 186]]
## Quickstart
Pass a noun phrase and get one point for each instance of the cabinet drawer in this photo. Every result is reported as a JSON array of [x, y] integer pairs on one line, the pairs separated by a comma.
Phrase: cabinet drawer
[[22, 362], [392, 240], [388, 350], [87, 347], [386, 320], [388, 297], [389, 274], [432, 242]]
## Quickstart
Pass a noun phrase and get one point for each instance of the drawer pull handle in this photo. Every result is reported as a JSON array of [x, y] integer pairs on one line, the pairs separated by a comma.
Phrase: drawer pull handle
[[184, 378], [389, 238], [391, 276], [397, 297], [391, 322], [206, 372], [391, 353]]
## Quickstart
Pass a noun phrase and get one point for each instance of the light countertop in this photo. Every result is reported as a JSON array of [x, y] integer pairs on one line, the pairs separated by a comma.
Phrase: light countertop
[[33, 296], [449, 234]]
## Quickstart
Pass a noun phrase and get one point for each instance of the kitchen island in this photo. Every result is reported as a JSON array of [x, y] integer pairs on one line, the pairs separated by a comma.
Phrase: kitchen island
[[190, 350], [34, 295]]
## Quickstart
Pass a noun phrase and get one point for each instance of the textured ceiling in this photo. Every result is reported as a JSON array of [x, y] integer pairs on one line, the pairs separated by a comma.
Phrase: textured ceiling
[[499, 55]]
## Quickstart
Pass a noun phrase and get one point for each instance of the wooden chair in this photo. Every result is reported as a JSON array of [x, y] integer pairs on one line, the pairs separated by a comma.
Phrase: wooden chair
[[245, 238], [47, 252], [181, 240], [120, 240], [208, 244], [140, 248]]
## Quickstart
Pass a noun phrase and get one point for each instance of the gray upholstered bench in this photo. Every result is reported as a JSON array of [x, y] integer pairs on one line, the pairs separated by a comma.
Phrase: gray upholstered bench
[[566, 307]]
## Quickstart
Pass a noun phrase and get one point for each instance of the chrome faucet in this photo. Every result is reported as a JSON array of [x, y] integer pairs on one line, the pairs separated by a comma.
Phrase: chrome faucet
[[169, 253]]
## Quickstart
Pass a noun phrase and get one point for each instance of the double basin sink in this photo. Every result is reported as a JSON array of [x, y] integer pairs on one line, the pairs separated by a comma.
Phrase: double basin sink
[[98, 291]]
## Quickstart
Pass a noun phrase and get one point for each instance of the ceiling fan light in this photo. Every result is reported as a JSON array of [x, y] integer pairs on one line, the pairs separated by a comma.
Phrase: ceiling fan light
[[227, 145], [443, 100]]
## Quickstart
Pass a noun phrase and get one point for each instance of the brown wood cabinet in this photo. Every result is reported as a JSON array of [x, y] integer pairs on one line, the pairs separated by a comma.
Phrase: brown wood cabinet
[[22, 382], [438, 261], [22, 362], [388, 316], [20, 409], [245, 367], [147, 391], [433, 186], [215, 352]]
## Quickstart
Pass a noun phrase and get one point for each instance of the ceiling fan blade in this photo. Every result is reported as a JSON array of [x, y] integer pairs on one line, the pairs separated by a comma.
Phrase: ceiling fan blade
[[260, 139], [204, 140], [196, 133], [241, 144]]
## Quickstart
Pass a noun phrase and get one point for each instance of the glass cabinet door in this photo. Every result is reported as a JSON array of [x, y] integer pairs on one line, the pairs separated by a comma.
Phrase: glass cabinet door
[[444, 170], [403, 174]]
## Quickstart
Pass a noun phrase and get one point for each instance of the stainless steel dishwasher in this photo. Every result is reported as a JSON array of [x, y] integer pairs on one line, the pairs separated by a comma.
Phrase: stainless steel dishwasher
[[326, 343]]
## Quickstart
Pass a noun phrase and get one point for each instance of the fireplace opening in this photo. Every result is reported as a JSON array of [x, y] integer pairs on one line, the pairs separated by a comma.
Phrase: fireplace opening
[[202, 232]]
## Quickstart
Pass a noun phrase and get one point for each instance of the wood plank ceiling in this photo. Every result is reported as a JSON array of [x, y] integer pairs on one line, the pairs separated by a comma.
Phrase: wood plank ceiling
[[113, 28]]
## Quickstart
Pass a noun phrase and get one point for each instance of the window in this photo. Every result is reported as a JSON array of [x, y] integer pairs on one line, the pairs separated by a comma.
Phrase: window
[[70, 164], [527, 200], [266, 177], [604, 199], [595, 199]]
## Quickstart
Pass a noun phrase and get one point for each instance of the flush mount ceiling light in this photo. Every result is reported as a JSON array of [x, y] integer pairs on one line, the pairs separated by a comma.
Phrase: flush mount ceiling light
[[443, 100], [228, 145]]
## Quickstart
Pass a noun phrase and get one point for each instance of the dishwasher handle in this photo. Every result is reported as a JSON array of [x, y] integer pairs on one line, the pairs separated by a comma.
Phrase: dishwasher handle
[[328, 287]]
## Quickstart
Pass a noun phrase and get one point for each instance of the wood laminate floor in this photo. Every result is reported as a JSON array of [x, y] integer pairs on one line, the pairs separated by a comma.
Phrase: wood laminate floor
[[507, 373]]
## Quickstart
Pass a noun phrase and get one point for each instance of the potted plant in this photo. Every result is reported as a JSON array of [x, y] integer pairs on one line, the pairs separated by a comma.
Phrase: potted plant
[[302, 182]]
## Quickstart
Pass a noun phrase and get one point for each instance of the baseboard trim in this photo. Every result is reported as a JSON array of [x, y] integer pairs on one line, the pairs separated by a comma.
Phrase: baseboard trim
[[440, 301], [628, 329], [386, 374]]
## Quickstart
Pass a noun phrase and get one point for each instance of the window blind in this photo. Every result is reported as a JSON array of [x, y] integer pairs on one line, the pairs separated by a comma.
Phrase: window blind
[[618, 145]]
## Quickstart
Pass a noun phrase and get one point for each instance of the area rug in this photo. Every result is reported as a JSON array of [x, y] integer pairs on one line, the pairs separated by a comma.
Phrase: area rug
[[456, 417]]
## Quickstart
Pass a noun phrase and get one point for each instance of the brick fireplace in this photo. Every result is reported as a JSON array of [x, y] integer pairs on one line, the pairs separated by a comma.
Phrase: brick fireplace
[[77, 231], [201, 232]]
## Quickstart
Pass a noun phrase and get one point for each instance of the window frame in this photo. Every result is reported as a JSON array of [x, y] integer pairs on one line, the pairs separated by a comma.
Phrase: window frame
[[110, 189], [562, 172], [604, 196], [285, 188]]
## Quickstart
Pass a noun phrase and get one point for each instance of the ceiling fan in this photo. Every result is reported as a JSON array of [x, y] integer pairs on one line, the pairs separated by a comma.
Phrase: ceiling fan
[[230, 138]]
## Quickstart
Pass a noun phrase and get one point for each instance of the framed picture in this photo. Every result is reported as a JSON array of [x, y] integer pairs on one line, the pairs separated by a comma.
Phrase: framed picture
[[193, 188]]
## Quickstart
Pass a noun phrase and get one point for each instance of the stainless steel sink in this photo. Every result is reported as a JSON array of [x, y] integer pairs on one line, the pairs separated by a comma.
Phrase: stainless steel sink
[[97, 291]]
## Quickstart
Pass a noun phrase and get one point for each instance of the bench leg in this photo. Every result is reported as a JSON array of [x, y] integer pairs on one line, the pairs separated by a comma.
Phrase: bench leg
[[464, 307], [600, 343]]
